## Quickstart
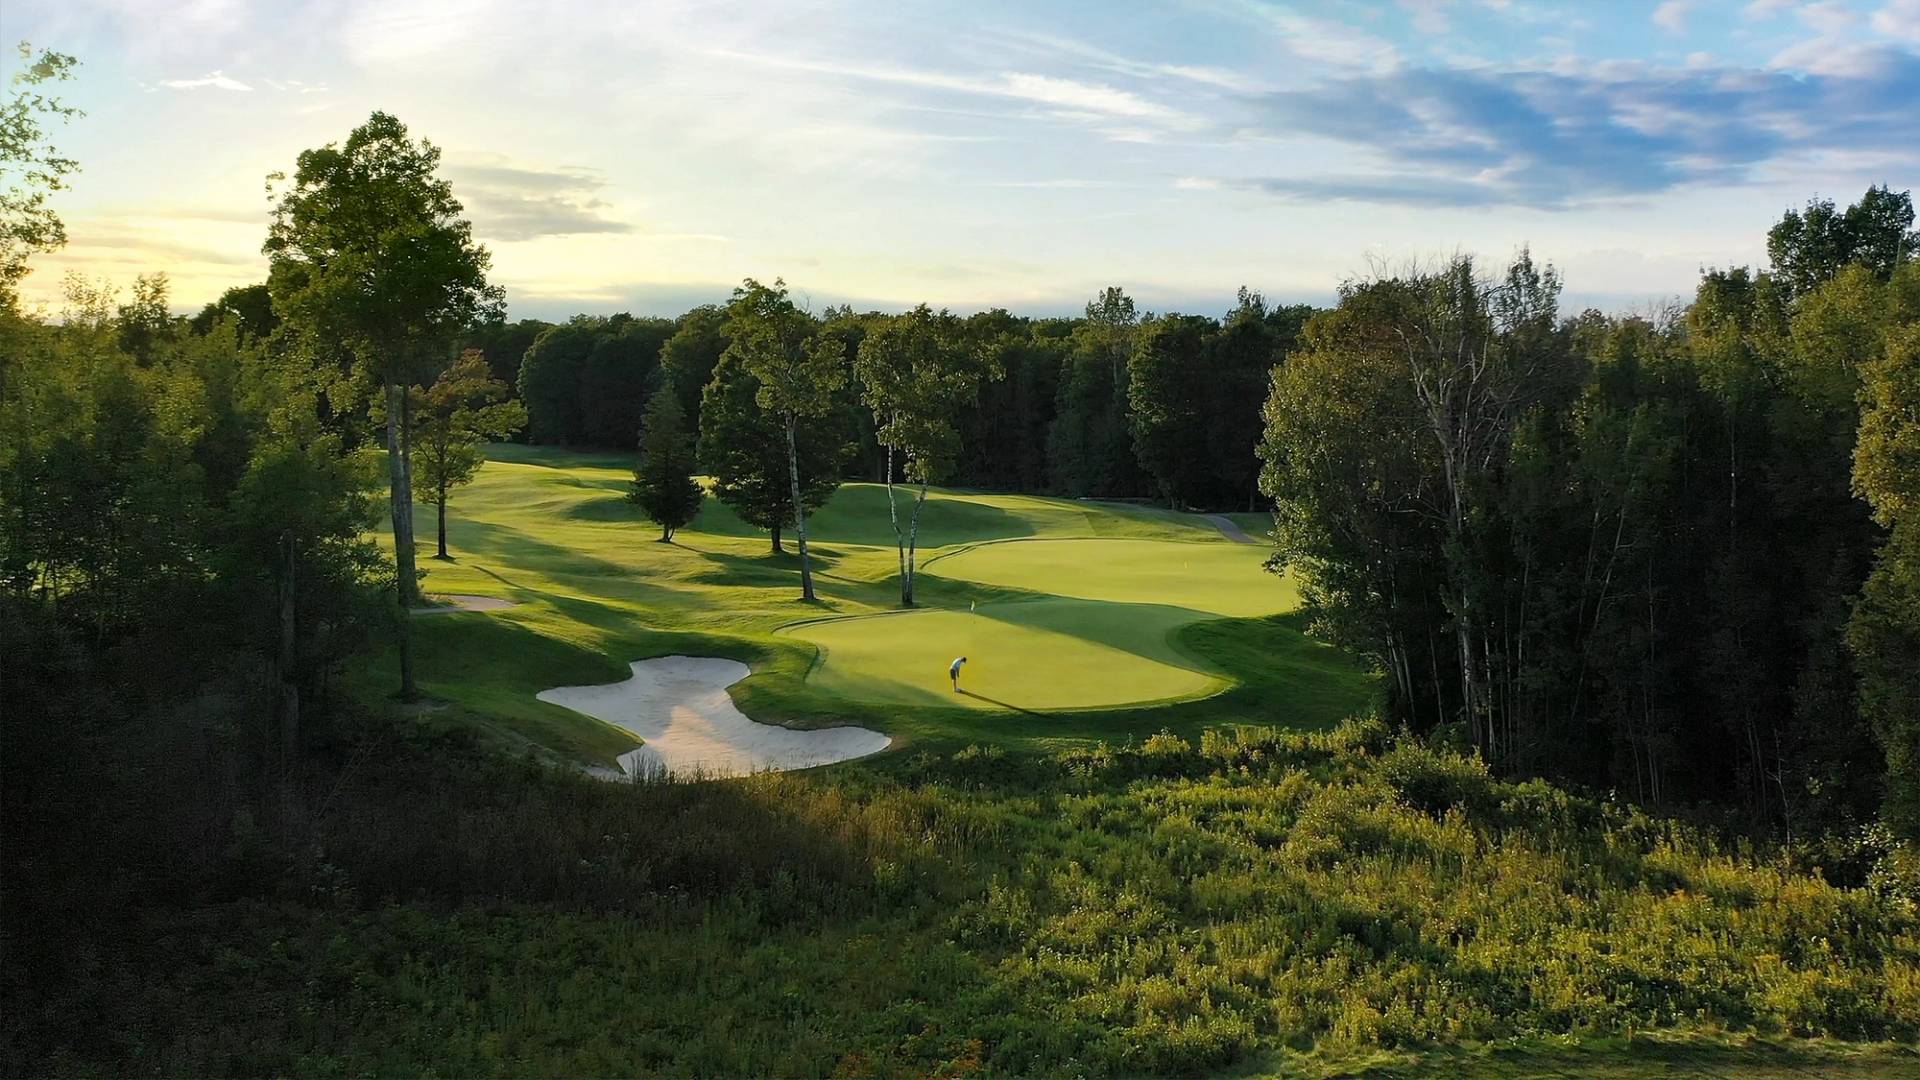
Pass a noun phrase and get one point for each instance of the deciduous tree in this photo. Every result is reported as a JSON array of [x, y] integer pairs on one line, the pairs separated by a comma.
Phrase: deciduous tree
[[798, 372], [368, 247], [465, 407], [916, 372]]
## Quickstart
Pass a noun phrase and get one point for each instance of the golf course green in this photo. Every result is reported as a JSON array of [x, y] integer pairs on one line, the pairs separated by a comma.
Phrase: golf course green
[[1080, 620]]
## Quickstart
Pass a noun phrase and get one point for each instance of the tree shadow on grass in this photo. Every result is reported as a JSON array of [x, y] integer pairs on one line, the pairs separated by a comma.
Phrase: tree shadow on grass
[[763, 570], [1002, 704]]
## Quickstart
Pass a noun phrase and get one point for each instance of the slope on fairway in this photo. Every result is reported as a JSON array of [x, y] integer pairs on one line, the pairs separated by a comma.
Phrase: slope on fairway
[[1063, 606], [1219, 577], [1095, 630]]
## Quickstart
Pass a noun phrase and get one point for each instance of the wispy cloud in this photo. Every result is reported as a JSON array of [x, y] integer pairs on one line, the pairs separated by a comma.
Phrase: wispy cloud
[[512, 203], [1064, 98], [1321, 41], [212, 80]]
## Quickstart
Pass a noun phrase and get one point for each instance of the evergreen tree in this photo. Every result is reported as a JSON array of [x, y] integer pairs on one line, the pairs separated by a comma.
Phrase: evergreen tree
[[663, 485]]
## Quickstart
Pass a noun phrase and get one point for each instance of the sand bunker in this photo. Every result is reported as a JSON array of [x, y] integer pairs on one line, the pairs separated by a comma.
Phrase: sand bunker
[[680, 707]]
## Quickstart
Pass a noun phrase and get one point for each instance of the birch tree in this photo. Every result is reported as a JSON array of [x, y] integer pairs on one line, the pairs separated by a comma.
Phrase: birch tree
[[778, 344], [916, 371]]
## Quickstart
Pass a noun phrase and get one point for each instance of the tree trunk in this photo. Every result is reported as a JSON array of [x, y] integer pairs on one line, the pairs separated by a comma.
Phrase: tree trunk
[[441, 506], [799, 512], [400, 499], [776, 549], [666, 534], [899, 539], [913, 542]]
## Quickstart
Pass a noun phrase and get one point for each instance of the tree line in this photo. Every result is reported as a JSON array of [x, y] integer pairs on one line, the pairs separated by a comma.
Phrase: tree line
[[1115, 404], [1673, 555]]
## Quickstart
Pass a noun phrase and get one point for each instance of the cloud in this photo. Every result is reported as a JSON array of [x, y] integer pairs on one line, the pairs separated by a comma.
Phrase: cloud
[[1583, 134], [1828, 17], [1672, 15], [214, 80], [1056, 48], [511, 203], [1065, 184], [1759, 10], [1429, 16], [1065, 98], [1899, 19], [1401, 190], [1325, 41]]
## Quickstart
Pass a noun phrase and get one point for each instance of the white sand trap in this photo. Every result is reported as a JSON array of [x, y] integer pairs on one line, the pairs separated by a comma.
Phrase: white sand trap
[[463, 602], [680, 707]]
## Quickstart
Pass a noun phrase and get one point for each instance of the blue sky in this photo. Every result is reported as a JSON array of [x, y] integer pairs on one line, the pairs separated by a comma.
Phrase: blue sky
[[646, 156]]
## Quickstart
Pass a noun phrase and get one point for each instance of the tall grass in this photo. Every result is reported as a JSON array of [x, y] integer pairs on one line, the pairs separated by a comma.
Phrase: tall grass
[[1255, 900]]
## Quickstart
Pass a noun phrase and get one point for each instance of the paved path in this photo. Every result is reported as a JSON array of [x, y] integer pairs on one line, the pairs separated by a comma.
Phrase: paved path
[[1230, 530]]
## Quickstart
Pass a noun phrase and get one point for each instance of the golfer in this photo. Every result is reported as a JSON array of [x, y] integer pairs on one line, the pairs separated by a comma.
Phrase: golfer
[[954, 673]]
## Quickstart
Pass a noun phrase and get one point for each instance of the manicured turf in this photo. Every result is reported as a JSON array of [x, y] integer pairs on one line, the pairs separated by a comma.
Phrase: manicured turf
[[1096, 628], [1097, 615]]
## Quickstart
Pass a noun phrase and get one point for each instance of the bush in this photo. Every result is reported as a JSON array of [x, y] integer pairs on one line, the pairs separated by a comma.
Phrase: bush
[[1435, 780]]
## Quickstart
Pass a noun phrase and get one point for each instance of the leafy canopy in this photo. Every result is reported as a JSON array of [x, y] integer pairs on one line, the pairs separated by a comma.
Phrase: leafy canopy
[[368, 245]]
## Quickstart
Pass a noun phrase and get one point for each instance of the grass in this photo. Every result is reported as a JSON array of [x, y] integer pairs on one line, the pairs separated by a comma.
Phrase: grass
[[1261, 903], [1081, 620]]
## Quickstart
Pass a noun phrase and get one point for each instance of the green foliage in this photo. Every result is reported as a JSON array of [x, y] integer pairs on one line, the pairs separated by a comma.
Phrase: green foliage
[[1262, 902], [1169, 405], [368, 245], [465, 407], [31, 168], [743, 447], [915, 371], [1615, 552], [1090, 442], [1810, 248], [1885, 631], [663, 485], [505, 344], [687, 358], [249, 307], [586, 382]]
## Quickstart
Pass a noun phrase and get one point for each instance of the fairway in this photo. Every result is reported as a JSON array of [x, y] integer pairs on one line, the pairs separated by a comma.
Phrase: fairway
[[1080, 619]]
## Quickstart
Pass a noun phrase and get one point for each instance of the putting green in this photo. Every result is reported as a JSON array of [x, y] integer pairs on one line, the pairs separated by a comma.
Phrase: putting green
[[1094, 630]]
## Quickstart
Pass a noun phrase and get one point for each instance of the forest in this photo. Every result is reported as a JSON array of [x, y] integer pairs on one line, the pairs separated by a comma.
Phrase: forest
[[1639, 593]]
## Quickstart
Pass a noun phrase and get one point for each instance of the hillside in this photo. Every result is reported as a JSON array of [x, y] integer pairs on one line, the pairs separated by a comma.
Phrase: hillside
[[1263, 902]]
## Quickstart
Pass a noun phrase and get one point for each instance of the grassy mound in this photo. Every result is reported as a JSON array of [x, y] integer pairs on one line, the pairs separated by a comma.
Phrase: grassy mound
[[1313, 903]]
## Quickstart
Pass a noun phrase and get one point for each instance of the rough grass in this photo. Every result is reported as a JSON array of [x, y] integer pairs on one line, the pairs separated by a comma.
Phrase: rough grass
[[1305, 904], [1079, 618]]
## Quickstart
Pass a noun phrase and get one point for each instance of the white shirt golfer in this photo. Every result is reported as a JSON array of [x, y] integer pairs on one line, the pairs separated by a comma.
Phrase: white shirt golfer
[[954, 673]]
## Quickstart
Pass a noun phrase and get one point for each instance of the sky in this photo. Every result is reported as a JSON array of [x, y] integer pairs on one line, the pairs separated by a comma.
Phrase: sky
[[646, 155]]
